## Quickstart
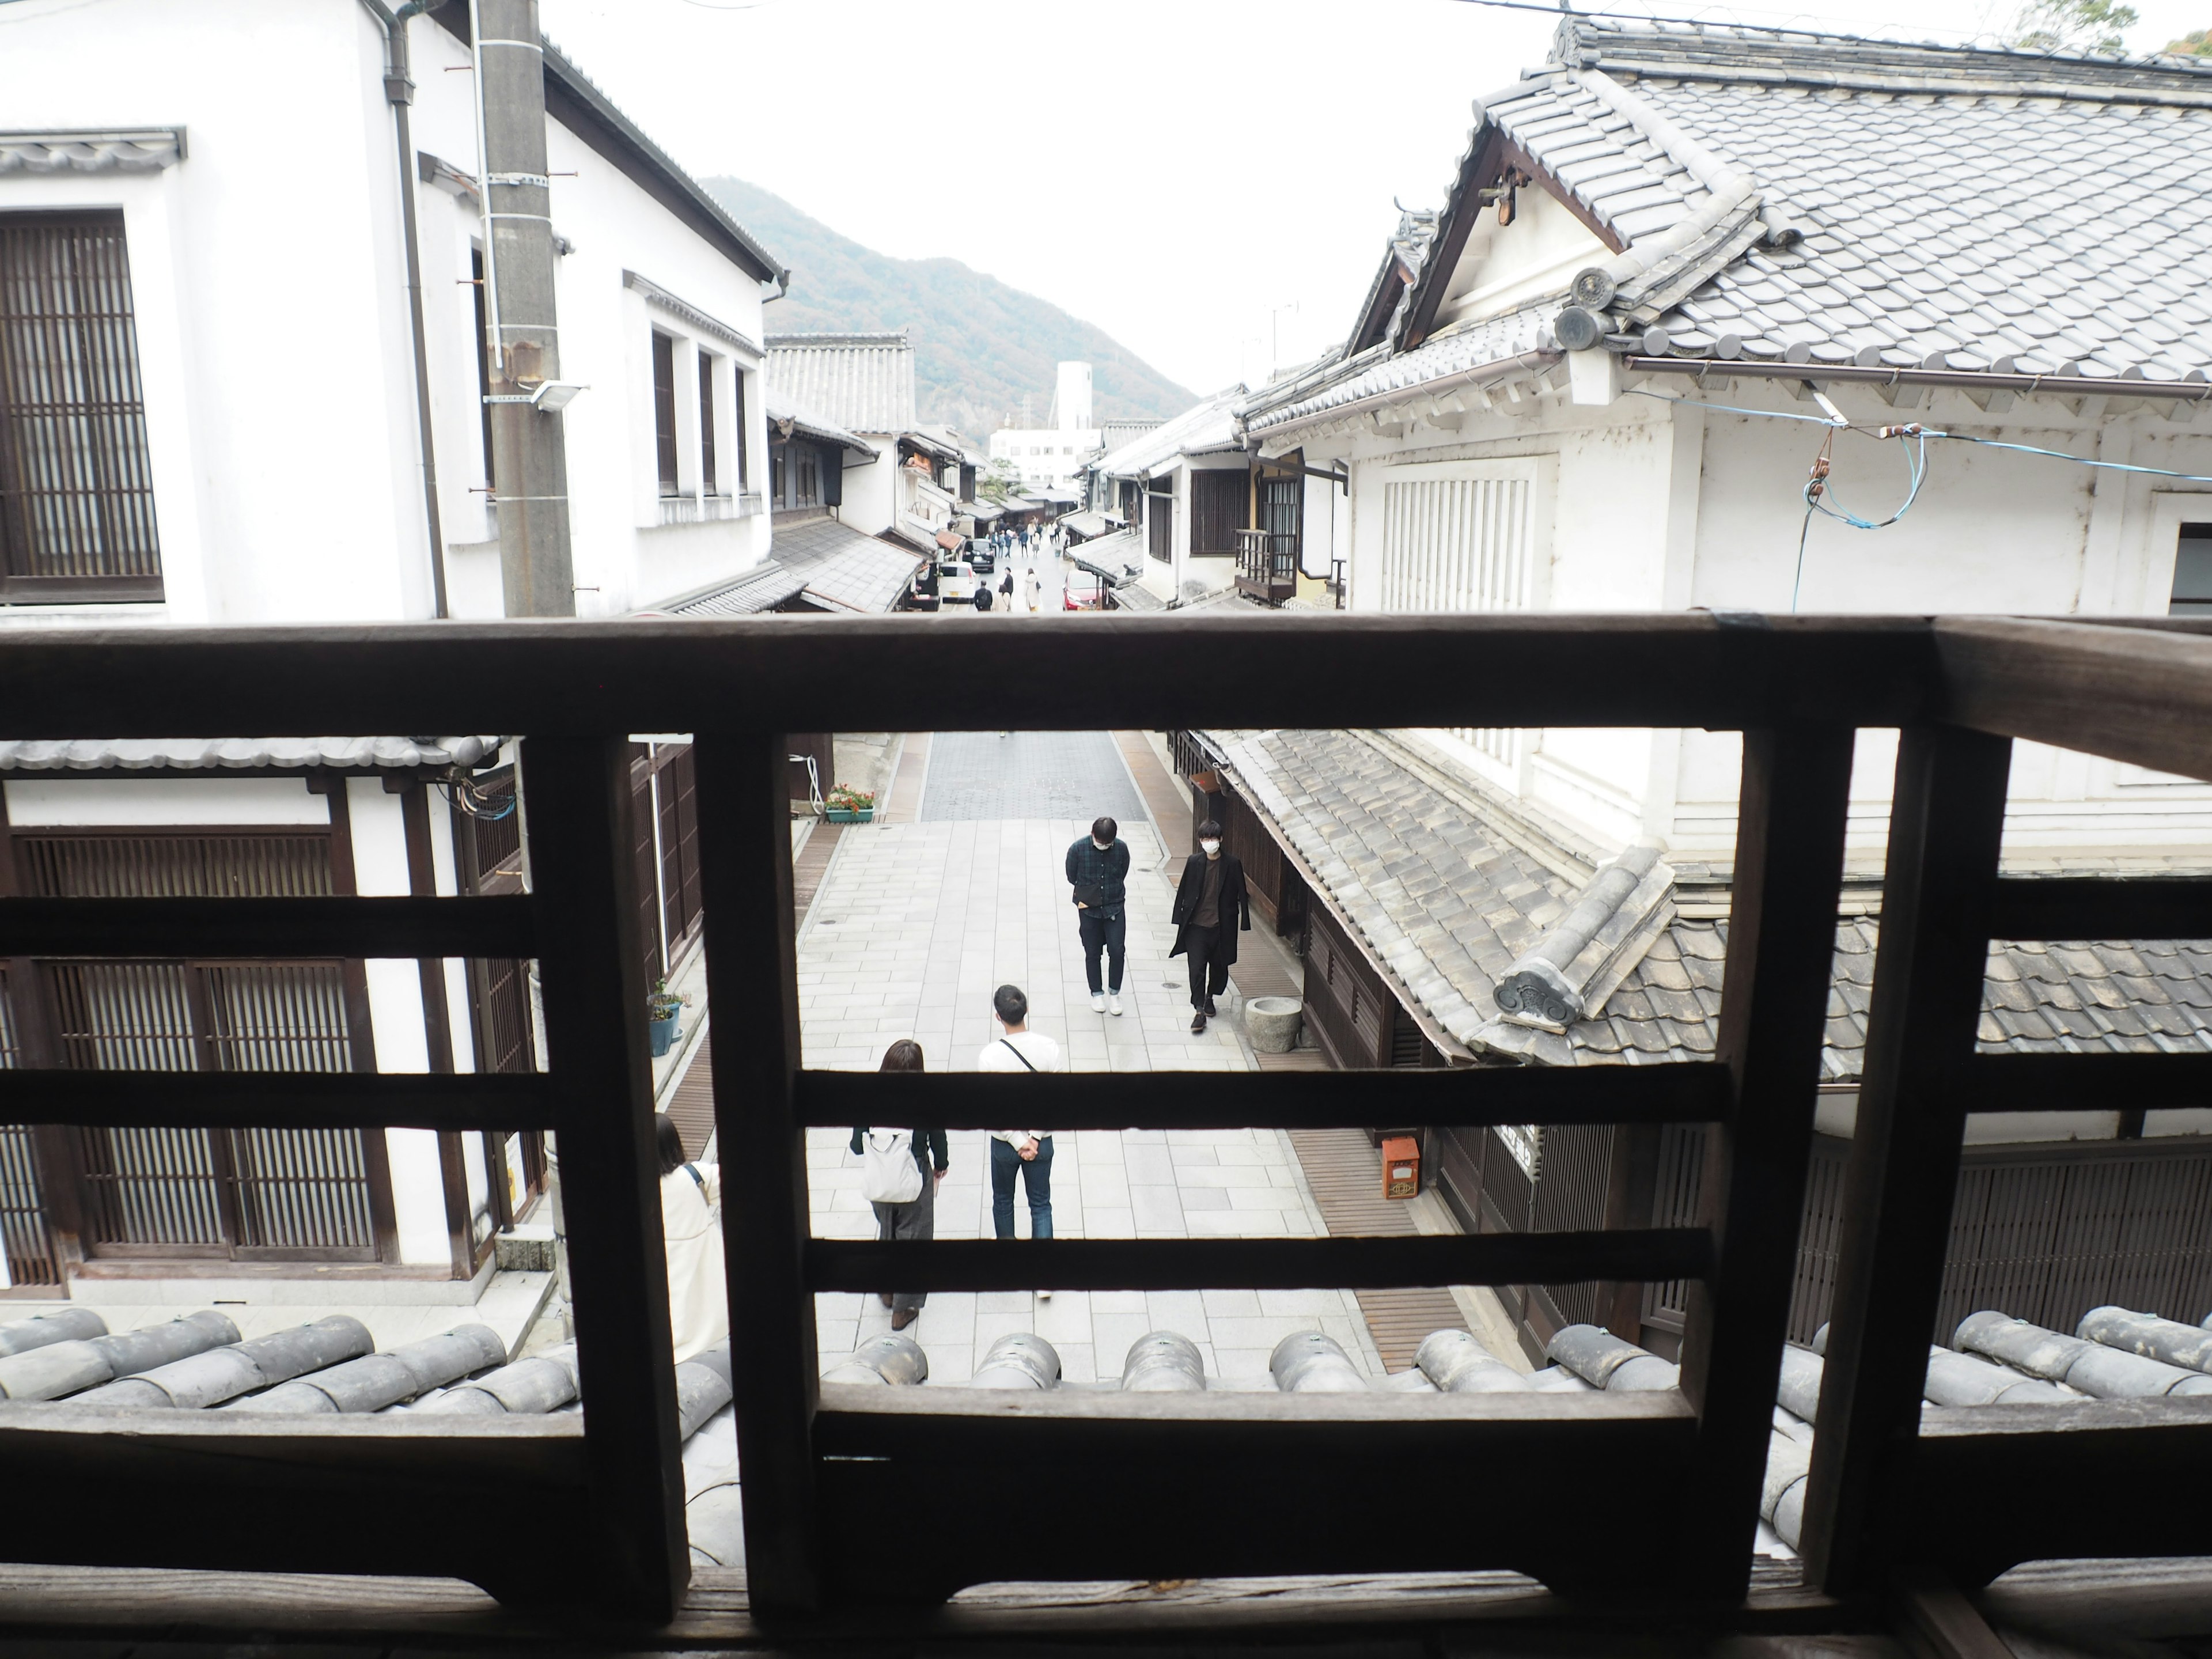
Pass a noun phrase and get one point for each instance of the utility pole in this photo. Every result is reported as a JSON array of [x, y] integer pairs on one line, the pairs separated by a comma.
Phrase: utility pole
[[529, 447]]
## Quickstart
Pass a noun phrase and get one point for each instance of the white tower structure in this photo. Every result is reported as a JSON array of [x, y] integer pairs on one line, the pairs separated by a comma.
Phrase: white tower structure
[[1071, 398]]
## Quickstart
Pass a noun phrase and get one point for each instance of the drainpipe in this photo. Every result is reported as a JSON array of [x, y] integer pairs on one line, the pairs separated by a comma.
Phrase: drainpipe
[[530, 456], [399, 93]]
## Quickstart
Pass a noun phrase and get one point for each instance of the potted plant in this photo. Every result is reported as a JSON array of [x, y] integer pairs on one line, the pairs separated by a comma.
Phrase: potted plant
[[849, 805], [663, 1006]]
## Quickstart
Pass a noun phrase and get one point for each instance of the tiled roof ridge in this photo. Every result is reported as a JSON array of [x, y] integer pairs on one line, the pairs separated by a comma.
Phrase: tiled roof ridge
[[1709, 51], [801, 339], [1582, 958]]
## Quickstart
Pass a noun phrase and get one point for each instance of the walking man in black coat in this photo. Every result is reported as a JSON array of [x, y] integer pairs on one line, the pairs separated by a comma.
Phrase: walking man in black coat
[[1210, 898]]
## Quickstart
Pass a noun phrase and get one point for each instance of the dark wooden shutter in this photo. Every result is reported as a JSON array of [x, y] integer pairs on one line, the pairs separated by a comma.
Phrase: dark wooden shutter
[[1219, 504], [642, 842], [76, 489], [679, 847], [1159, 524], [833, 477], [707, 422], [664, 410], [741, 440]]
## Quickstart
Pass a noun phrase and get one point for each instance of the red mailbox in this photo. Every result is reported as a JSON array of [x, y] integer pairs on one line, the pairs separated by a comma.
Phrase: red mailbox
[[1402, 1166]]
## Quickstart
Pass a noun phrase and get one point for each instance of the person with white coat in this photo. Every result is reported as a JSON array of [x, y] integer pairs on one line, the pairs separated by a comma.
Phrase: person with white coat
[[691, 1229]]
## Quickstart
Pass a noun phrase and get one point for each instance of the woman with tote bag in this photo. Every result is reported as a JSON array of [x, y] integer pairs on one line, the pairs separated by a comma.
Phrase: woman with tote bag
[[898, 1177]]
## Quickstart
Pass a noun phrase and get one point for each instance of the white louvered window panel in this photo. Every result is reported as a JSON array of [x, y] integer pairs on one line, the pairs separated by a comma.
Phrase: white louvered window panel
[[1464, 542]]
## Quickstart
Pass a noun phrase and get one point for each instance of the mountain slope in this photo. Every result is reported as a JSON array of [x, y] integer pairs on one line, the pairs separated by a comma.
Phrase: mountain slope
[[978, 346]]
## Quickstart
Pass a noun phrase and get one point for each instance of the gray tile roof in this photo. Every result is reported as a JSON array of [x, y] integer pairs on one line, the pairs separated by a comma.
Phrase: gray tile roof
[[863, 382], [843, 569], [1810, 199], [236, 754], [792, 418], [1210, 425], [764, 588], [1444, 904]]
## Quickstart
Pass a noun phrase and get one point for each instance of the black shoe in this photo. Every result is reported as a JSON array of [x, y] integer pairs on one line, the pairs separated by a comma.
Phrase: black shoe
[[884, 1297], [904, 1317], [1198, 1022], [1211, 1010]]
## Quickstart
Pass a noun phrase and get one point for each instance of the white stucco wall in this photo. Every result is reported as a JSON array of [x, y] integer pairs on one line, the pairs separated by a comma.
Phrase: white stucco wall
[[273, 322], [1655, 507]]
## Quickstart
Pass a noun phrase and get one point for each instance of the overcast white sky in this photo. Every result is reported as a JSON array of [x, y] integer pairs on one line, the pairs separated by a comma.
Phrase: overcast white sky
[[1171, 170]]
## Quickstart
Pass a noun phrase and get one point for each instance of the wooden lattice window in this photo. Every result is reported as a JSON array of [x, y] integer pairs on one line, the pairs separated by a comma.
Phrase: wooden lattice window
[[76, 489], [664, 410], [1221, 506]]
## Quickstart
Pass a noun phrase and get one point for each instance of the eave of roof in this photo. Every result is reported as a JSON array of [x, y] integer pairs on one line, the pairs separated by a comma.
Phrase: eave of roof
[[248, 754], [572, 98], [800, 422]]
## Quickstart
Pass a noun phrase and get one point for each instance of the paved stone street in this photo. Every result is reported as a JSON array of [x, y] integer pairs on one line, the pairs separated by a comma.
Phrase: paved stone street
[[917, 924]]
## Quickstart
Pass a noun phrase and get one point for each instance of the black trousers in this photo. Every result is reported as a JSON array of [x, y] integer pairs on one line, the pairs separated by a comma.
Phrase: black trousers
[[1107, 933], [1209, 973]]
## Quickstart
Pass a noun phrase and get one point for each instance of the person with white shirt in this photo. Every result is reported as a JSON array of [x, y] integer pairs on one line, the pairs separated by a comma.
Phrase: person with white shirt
[[1025, 1152]]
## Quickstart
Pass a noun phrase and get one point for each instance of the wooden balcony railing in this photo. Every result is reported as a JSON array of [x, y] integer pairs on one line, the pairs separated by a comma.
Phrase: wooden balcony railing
[[853, 1495], [1267, 565]]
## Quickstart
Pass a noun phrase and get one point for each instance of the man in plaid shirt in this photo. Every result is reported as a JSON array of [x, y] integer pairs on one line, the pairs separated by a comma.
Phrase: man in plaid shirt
[[1098, 871]]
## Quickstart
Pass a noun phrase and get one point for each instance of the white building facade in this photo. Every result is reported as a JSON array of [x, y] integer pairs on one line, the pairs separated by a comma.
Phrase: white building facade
[[1054, 455], [202, 425]]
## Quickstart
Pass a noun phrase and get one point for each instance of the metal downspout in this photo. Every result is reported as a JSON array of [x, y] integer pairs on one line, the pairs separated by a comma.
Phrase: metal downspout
[[399, 92]]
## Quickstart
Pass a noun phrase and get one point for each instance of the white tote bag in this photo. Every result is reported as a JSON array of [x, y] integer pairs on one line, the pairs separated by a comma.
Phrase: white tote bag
[[889, 1174]]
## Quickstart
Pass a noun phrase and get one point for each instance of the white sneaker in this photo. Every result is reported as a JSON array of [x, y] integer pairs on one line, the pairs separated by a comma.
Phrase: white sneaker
[[1098, 1003], [1044, 1296], [1114, 1003]]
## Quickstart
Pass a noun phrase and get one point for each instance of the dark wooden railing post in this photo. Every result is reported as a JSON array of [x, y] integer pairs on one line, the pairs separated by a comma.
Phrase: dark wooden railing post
[[1774, 1001], [1946, 829], [744, 863], [584, 878]]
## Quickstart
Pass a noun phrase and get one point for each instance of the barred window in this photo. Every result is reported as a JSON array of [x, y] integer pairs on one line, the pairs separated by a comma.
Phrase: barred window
[[76, 492]]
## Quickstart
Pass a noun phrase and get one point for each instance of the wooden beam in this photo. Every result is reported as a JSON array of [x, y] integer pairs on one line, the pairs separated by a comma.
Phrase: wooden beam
[[583, 871], [1945, 1622], [228, 1490], [1945, 830], [744, 803], [1686, 1092], [1184, 1485], [2134, 694], [1774, 1004], [2101, 907], [1170, 1264], [235, 927], [2077, 1083], [857, 674], [281, 1100]]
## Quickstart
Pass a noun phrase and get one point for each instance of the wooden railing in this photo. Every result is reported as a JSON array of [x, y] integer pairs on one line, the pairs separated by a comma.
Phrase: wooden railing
[[852, 1494], [1267, 565]]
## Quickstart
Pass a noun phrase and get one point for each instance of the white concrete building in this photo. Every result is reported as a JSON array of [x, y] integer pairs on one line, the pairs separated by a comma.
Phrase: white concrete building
[[1055, 453], [205, 421]]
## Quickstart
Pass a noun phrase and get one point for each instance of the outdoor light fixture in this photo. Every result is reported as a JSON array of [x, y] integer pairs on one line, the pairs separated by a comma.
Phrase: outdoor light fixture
[[554, 396]]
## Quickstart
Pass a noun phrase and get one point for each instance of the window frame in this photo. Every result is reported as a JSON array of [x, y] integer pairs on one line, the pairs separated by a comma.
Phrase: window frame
[[122, 495]]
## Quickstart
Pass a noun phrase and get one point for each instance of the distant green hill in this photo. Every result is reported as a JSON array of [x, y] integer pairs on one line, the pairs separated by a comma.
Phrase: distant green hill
[[978, 346]]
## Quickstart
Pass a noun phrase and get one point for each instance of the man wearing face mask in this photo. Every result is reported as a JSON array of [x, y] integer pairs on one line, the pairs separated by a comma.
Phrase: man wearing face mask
[[1209, 899], [1098, 871]]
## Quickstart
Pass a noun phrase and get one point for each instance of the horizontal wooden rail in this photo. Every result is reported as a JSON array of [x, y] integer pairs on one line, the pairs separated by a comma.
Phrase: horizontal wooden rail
[[2090, 1082], [859, 673], [278, 1100], [497, 927], [2102, 907], [1696, 1091], [1647, 1255], [2133, 694]]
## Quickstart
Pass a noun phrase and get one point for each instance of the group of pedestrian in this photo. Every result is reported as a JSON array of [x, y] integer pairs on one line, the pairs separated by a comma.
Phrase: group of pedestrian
[[903, 1168]]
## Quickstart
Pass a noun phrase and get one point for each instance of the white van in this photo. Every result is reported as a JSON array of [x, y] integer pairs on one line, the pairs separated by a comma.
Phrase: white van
[[956, 582]]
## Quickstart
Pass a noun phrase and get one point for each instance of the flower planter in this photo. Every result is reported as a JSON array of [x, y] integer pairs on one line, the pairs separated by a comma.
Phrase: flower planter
[[850, 815], [663, 1034], [1271, 1023]]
